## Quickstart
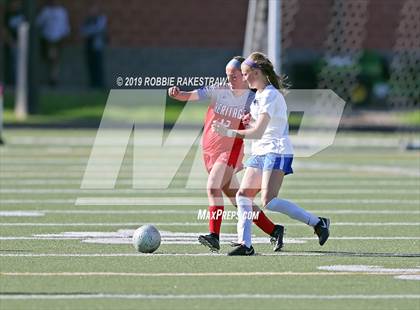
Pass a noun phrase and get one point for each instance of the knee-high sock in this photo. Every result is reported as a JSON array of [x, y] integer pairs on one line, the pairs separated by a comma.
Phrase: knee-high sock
[[216, 216], [244, 220], [263, 222], [292, 210]]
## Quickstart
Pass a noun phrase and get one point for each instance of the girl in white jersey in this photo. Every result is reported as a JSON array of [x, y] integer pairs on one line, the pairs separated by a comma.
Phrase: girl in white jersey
[[271, 155]]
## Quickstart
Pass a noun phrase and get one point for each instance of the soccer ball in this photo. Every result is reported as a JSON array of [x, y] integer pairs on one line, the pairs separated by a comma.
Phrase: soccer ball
[[146, 239]]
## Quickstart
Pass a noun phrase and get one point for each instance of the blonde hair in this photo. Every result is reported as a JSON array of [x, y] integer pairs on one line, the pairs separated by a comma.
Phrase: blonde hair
[[267, 68]]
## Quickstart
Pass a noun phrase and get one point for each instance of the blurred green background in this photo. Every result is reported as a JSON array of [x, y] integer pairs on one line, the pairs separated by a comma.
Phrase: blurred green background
[[365, 51]]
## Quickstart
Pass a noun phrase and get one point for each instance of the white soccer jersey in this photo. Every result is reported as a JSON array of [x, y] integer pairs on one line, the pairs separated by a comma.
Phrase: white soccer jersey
[[276, 136]]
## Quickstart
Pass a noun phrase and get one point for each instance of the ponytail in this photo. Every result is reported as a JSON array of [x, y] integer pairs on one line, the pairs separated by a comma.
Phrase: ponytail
[[273, 79], [266, 67]]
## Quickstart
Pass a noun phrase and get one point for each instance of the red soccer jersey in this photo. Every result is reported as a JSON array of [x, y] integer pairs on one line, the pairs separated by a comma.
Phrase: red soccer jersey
[[228, 109]]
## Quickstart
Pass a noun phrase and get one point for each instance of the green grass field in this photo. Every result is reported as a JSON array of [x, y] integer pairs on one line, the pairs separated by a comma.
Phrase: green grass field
[[58, 107], [63, 247]]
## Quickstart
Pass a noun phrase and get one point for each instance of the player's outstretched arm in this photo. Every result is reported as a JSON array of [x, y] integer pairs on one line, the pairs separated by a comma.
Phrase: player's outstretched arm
[[255, 132], [176, 93]]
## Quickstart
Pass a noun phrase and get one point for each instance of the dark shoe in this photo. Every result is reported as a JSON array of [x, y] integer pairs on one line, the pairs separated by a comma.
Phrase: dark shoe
[[211, 241], [242, 250], [276, 239], [322, 229]]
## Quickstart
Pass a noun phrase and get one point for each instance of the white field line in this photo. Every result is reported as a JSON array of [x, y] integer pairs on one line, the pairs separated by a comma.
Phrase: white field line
[[125, 237], [369, 268], [56, 172], [169, 211], [66, 186], [206, 296], [155, 173], [201, 274], [403, 184], [362, 238], [315, 175], [194, 241], [203, 201], [79, 151], [399, 273], [37, 201], [18, 213], [76, 151], [89, 138], [204, 223], [79, 162], [415, 192], [183, 241], [89, 255], [84, 152], [396, 170], [72, 167], [159, 160], [408, 277], [14, 164], [56, 141], [188, 201], [11, 161], [147, 255]]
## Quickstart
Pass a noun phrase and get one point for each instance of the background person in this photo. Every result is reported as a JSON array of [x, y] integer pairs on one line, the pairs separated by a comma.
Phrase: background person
[[53, 22], [94, 31], [13, 19]]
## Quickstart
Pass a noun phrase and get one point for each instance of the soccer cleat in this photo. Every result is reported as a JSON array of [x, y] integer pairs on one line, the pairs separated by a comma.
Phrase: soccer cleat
[[322, 230], [242, 250], [276, 239], [211, 241]]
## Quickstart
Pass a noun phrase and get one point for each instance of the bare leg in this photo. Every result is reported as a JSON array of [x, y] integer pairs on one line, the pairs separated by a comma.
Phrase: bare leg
[[219, 176], [272, 181]]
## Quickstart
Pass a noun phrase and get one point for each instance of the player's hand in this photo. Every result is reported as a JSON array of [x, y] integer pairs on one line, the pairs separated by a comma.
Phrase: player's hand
[[173, 91], [219, 128], [246, 119]]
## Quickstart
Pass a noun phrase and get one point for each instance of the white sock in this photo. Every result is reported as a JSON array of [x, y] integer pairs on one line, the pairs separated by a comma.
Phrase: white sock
[[244, 226], [293, 211]]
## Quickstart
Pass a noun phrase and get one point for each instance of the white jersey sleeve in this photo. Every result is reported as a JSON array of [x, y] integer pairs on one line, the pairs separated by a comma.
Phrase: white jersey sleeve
[[211, 91], [267, 104], [275, 138]]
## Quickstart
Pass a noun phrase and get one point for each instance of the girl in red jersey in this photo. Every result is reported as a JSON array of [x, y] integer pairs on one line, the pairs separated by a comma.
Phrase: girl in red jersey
[[223, 155]]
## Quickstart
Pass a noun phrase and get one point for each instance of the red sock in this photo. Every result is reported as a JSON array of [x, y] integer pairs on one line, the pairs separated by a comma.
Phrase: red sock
[[216, 215], [264, 223]]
